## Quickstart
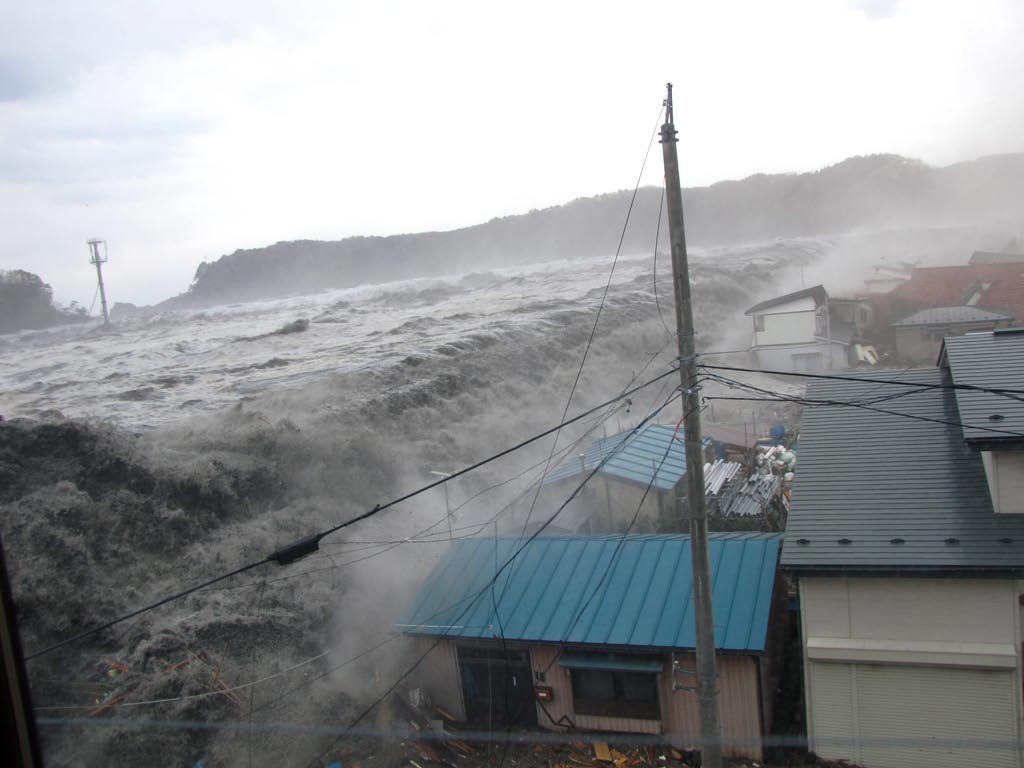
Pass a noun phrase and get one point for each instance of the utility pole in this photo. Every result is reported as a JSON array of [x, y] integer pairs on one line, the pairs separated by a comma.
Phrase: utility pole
[[447, 506], [707, 692], [98, 258]]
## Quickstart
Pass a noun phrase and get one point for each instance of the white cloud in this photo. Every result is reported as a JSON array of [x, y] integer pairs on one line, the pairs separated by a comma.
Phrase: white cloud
[[186, 132]]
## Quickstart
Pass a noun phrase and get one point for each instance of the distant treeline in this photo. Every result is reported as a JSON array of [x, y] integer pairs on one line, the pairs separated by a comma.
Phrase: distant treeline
[[27, 302], [859, 193]]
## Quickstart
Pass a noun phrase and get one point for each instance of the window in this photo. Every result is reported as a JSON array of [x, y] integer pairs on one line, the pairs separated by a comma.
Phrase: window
[[758, 323], [609, 693]]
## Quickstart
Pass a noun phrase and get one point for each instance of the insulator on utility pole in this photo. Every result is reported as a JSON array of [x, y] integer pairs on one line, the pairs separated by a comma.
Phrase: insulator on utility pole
[[707, 691], [97, 258]]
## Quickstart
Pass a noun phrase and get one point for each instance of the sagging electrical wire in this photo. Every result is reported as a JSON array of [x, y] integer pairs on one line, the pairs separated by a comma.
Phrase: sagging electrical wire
[[384, 546], [1014, 394], [767, 395], [600, 308], [498, 571], [309, 544]]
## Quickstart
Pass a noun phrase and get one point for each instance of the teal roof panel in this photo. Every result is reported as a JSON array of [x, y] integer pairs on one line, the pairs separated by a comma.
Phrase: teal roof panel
[[654, 454], [633, 591]]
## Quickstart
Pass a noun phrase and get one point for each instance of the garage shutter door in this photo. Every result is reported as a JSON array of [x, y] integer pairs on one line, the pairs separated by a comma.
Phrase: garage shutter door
[[903, 715]]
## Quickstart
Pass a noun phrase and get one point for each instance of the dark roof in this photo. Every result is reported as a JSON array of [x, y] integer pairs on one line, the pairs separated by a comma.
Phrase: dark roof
[[882, 492], [949, 315], [816, 292], [992, 359], [633, 591]]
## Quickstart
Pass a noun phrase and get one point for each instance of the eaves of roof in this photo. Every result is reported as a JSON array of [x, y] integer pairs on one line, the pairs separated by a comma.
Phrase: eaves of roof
[[816, 292], [615, 591], [880, 490]]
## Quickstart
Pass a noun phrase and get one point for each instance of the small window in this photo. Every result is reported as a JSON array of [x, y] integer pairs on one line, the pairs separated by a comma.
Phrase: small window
[[758, 323], [605, 693]]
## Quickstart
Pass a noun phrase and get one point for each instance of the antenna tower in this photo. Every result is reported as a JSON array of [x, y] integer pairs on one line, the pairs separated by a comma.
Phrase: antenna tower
[[98, 258]]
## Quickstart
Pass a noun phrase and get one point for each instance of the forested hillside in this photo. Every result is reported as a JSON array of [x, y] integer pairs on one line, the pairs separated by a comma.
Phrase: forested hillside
[[27, 302], [859, 193]]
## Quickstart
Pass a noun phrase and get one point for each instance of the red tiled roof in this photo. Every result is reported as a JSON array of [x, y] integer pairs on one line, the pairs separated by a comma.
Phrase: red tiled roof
[[948, 286]]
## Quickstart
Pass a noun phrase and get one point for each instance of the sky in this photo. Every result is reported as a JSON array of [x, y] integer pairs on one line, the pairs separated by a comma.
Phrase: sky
[[181, 131]]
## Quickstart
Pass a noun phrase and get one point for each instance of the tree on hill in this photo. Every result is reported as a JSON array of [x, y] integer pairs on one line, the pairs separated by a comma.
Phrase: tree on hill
[[27, 302]]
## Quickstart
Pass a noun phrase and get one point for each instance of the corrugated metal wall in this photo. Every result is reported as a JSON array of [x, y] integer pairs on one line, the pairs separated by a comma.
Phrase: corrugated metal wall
[[738, 684], [438, 674], [738, 697]]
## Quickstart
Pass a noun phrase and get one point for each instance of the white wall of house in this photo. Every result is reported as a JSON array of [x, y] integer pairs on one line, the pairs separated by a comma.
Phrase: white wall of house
[[803, 358], [896, 668], [1005, 473], [788, 323]]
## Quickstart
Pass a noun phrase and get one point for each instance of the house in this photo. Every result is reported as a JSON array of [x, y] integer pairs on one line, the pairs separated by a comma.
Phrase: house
[[906, 537], [998, 287], [918, 337], [1009, 255], [636, 475], [597, 633], [798, 332]]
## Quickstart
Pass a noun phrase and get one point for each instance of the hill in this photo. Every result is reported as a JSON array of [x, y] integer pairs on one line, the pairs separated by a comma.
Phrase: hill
[[27, 302], [866, 192]]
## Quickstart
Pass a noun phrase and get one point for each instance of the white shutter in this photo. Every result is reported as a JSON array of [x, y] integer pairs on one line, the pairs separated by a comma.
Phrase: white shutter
[[903, 714]]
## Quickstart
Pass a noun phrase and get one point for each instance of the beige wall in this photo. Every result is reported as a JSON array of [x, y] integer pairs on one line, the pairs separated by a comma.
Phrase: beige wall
[[929, 632], [951, 610], [1005, 473]]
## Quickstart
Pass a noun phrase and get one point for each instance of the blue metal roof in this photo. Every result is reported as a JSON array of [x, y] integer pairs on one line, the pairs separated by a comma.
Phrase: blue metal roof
[[633, 456], [589, 590]]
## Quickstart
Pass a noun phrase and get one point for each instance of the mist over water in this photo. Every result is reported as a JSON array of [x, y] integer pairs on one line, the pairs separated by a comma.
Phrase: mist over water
[[203, 440]]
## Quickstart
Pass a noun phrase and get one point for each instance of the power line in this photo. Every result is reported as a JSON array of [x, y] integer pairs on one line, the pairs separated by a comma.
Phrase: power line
[[600, 308], [870, 380], [498, 571], [309, 544], [772, 396], [385, 546], [618, 547]]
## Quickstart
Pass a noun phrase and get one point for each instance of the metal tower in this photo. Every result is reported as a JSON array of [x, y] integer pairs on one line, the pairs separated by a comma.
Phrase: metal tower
[[98, 258]]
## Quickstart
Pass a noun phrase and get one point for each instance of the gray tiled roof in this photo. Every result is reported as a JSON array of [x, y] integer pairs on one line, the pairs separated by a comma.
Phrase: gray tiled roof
[[948, 315], [867, 478], [816, 292], [993, 359]]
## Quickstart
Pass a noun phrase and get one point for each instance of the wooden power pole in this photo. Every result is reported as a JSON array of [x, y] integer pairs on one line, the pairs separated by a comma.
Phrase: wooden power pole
[[707, 691]]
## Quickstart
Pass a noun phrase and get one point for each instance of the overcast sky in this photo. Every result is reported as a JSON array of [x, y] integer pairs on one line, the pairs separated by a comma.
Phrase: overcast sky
[[180, 131]]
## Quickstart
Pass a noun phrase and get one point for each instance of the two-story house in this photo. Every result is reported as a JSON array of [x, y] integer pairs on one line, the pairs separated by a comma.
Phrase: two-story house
[[906, 536], [798, 332]]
